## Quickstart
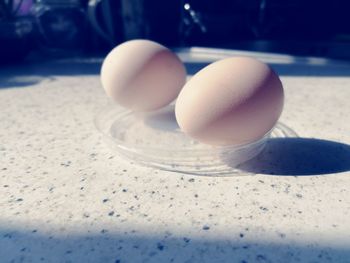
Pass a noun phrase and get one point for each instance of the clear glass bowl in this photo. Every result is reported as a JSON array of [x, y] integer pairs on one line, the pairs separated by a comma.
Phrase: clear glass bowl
[[155, 140]]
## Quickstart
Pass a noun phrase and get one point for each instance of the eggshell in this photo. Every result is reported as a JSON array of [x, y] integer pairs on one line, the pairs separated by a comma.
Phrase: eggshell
[[232, 101], [142, 75]]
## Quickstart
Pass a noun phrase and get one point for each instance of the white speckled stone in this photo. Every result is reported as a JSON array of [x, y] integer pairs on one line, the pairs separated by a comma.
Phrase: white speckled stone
[[66, 197]]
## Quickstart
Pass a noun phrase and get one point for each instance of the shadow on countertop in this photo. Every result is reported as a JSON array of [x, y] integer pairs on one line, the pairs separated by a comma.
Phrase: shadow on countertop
[[32, 246], [30, 73], [300, 157]]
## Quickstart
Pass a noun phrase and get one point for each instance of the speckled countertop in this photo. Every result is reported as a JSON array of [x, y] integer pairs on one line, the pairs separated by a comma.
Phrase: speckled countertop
[[66, 197]]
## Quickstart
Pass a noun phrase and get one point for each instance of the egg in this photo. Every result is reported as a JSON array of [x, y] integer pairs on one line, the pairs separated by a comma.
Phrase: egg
[[230, 102], [142, 75]]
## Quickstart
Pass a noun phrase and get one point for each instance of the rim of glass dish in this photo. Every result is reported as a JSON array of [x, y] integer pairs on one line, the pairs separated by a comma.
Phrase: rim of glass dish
[[136, 148]]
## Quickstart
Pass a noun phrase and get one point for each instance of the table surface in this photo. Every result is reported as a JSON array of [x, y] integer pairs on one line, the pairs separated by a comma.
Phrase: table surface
[[65, 196]]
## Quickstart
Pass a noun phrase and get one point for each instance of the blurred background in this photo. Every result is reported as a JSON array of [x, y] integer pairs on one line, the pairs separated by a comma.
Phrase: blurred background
[[65, 28]]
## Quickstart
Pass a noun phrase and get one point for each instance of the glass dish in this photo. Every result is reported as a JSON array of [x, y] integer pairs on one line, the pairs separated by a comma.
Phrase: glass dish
[[155, 140]]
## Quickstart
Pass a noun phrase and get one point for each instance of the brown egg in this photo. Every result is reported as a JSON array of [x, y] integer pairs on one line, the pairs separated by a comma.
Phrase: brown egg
[[230, 102], [142, 75]]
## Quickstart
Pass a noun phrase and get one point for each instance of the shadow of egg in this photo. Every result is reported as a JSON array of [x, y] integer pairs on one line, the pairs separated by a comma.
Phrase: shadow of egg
[[300, 157]]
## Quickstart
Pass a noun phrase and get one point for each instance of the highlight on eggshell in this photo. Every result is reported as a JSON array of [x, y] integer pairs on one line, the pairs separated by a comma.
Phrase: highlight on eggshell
[[142, 75], [233, 101]]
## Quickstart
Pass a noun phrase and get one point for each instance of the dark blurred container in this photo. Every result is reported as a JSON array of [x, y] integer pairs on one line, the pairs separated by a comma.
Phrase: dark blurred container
[[16, 30], [61, 24]]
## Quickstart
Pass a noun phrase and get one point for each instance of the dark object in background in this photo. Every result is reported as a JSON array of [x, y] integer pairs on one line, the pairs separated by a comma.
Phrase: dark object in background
[[106, 22], [209, 23], [157, 20], [238, 20], [72, 27], [164, 20], [16, 27], [298, 27], [61, 24]]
